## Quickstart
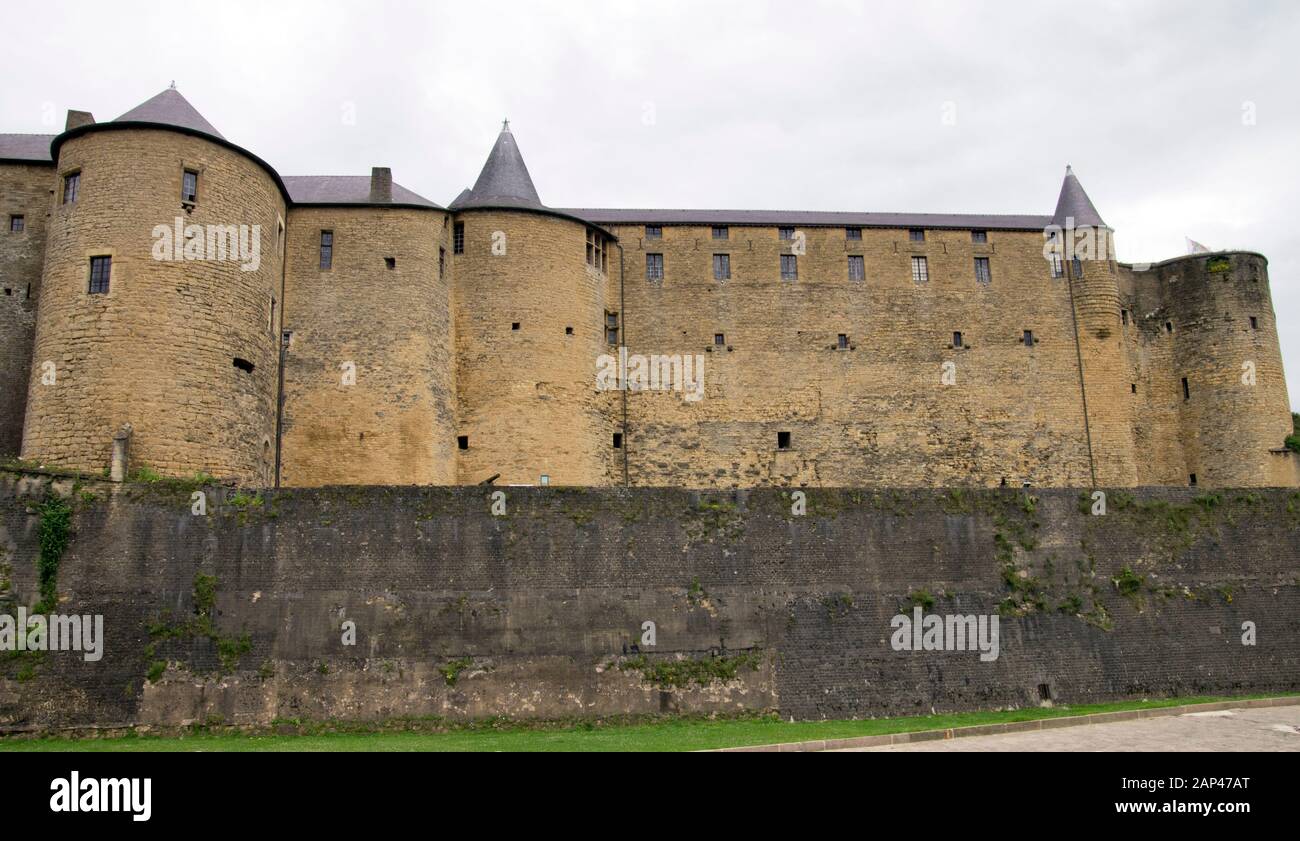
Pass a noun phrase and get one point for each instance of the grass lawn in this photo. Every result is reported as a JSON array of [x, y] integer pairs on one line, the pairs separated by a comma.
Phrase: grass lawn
[[678, 734]]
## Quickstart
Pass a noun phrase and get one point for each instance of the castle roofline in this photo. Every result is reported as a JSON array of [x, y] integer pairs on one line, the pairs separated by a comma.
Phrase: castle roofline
[[811, 218], [1200, 255], [1073, 203], [349, 191], [169, 108], [504, 180], [29, 149]]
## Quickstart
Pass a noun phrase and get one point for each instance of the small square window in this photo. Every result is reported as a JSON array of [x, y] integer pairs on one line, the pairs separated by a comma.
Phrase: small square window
[[568, 331], [514, 325], [190, 186], [462, 442], [390, 262], [979, 237], [654, 232], [101, 272], [916, 234], [721, 232], [17, 224], [719, 339], [783, 440], [854, 234], [785, 233]]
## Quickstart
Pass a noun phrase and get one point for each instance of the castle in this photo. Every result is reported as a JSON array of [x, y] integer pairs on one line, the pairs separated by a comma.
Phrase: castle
[[344, 330]]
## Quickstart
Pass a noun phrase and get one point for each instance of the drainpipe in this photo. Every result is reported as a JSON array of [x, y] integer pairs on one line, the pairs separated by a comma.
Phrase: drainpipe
[[622, 323]]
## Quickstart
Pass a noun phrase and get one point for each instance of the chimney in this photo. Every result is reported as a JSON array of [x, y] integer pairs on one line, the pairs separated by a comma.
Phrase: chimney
[[381, 184], [76, 119]]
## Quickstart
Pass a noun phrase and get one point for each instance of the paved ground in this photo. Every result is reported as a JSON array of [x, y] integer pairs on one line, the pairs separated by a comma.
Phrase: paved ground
[[1267, 729]]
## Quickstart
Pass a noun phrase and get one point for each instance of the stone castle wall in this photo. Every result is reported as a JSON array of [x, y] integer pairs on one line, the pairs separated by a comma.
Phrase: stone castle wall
[[158, 351], [24, 191], [533, 614], [394, 422]]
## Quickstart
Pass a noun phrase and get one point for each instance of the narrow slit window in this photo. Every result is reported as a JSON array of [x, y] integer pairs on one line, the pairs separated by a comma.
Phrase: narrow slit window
[[458, 238], [842, 341], [1187, 389], [618, 440], [611, 328], [956, 339], [326, 250], [1254, 323], [442, 262], [1123, 317], [1029, 338]]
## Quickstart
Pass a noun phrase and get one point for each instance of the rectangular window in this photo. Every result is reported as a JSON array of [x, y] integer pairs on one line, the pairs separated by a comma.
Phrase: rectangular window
[[842, 341], [785, 233], [17, 224], [721, 232], [789, 267], [722, 267], [920, 270], [1254, 323], [654, 232], [462, 442], [654, 267], [597, 255], [719, 339], [190, 187], [1029, 338], [1187, 390], [101, 271], [854, 234], [1078, 267], [956, 338], [458, 238], [979, 237], [71, 186], [618, 440], [326, 250], [1058, 266], [982, 272], [611, 328], [1123, 317], [916, 234], [857, 267], [783, 440]]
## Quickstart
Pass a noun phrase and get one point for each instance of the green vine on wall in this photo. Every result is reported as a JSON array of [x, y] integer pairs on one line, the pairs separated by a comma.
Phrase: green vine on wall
[[199, 625], [54, 534]]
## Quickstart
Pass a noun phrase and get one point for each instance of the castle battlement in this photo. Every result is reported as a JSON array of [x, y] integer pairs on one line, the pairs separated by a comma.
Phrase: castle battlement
[[312, 330]]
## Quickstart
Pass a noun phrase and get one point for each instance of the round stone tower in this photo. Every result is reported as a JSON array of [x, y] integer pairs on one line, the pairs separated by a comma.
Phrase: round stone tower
[[1234, 413], [533, 317], [160, 299], [1086, 248]]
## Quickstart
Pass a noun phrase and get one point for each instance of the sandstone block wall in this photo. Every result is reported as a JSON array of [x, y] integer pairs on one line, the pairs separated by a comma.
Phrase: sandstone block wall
[[24, 191], [394, 423]]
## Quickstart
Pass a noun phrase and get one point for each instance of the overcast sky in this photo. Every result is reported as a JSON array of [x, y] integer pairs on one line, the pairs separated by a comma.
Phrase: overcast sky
[[1181, 119]]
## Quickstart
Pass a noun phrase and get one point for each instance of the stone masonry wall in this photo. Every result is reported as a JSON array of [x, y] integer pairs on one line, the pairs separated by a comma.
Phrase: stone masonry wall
[[393, 423], [462, 614], [24, 191]]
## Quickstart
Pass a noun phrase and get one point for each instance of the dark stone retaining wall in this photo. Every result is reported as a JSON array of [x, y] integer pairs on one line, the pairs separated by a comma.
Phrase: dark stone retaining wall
[[463, 614]]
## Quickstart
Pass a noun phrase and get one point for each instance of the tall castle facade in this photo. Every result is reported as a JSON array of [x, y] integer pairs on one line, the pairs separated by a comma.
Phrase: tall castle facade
[[344, 330]]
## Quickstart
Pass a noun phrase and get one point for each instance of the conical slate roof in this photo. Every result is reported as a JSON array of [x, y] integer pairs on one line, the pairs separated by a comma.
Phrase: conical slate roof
[[504, 181], [1075, 204], [171, 109]]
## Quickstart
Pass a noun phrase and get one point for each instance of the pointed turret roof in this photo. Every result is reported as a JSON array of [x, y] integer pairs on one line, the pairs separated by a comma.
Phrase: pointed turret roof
[[169, 108], [504, 181], [1075, 204]]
